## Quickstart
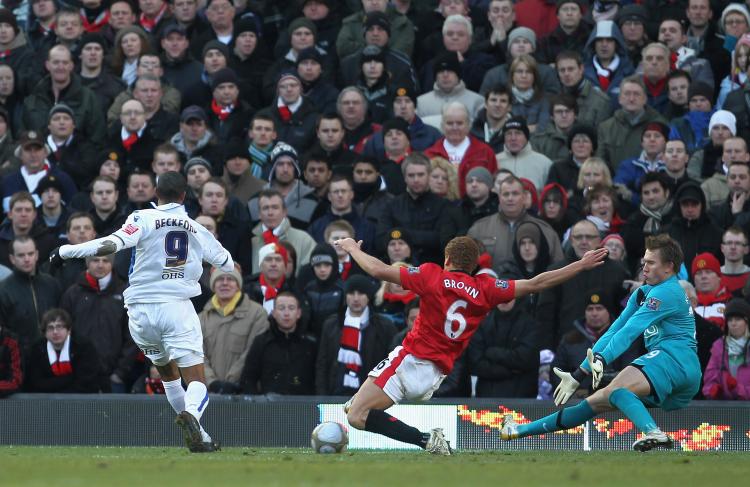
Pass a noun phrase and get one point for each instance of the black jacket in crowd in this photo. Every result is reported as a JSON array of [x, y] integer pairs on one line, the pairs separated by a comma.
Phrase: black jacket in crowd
[[84, 359], [504, 354], [280, 363], [329, 372], [24, 299]]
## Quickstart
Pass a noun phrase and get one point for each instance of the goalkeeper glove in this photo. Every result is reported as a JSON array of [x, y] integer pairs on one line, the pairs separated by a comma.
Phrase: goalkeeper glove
[[596, 363], [568, 384]]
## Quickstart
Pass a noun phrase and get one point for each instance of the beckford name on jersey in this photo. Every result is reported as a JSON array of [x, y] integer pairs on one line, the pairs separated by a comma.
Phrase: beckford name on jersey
[[175, 222]]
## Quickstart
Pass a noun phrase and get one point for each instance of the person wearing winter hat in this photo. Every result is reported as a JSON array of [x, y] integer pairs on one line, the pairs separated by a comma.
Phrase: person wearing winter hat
[[607, 62], [294, 114], [479, 200], [229, 115], [396, 146], [721, 126], [519, 157], [632, 20], [712, 293], [727, 375], [398, 246], [263, 287], [692, 127], [237, 174], [94, 75], [229, 318], [448, 87], [571, 33], [352, 341], [553, 209], [324, 291], [354, 29], [582, 144], [616, 246]]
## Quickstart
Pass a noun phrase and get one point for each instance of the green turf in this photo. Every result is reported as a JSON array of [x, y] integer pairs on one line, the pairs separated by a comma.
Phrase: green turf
[[165, 467]]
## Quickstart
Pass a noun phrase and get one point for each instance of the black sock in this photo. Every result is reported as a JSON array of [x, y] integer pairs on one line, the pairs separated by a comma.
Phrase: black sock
[[384, 424]]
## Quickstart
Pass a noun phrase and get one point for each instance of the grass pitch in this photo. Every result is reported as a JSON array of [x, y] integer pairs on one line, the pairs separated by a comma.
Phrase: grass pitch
[[166, 467]]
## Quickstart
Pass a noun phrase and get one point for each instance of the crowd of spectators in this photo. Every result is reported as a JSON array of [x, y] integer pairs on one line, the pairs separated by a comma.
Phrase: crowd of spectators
[[540, 128]]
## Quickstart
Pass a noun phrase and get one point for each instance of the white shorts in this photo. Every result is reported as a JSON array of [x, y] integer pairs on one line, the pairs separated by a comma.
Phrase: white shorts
[[167, 331], [404, 376]]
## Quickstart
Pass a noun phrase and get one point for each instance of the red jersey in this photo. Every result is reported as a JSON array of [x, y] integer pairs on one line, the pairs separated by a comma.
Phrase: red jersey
[[453, 305]]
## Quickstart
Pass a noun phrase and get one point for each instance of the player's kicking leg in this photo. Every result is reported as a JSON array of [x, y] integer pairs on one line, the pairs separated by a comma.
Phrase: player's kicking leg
[[366, 411], [189, 405], [622, 393]]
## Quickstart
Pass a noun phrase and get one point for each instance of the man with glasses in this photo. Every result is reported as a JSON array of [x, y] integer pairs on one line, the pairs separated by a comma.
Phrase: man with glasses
[[553, 140], [559, 307], [132, 138], [734, 249]]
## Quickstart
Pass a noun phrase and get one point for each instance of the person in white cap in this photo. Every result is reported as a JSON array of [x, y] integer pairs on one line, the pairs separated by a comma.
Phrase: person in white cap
[[170, 248], [607, 61], [266, 285], [721, 126]]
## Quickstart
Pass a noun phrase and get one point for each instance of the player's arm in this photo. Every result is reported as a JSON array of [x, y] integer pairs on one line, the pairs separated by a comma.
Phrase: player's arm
[[214, 253], [124, 238], [371, 265], [546, 280]]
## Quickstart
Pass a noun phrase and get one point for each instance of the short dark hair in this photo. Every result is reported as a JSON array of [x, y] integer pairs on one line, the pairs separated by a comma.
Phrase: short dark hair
[[262, 116], [573, 55], [373, 161], [669, 249], [655, 177], [737, 230], [679, 73], [568, 101], [171, 186], [674, 18], [103, 179], [55, 314], [328, 116], [77, 215], [497, 90], [167, 148], [338, 177], [20, 239], [138, 172], [288, 294]]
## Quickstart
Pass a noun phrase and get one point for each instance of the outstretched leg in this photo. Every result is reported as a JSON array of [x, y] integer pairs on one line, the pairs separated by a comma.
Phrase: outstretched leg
[[630, 381], [366, 411]]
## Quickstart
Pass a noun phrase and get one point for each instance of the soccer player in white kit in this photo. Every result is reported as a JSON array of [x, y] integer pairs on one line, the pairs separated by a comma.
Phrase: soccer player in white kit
[[164, 273]]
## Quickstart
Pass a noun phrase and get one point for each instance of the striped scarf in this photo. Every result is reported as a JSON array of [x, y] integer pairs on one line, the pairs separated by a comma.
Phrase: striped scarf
[[260, 158], [351, 345]]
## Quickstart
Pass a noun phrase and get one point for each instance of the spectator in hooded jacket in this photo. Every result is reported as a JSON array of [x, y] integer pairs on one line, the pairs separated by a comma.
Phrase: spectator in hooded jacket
[[607, 61], [230, 322], [554, 210], [691, 225], [324, 292], [281, 359], [727, 376]]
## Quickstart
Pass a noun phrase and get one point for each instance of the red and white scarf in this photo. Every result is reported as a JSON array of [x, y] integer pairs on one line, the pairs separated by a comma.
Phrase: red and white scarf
[[350, 346], [271, 235], [220, 111], [148, 24], [100, 21], [269, 292], [60, 364]]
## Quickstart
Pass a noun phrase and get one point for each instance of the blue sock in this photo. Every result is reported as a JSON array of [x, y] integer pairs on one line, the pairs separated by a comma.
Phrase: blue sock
[[633, 408], [561, 420]]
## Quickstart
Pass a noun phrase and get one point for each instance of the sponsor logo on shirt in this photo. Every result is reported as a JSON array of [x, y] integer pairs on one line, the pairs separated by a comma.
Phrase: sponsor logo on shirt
[[130, 229], [413, 270], [653, 304]]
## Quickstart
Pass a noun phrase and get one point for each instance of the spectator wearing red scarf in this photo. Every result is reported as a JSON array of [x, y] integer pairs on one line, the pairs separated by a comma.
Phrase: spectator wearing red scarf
[[59, 362], [709, 284]]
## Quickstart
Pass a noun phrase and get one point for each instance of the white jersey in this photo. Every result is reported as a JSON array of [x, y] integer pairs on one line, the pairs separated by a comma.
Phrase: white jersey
[[170, 248]]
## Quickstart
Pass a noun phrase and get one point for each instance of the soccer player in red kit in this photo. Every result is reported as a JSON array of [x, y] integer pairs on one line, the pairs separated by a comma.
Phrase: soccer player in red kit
[[453, 305]]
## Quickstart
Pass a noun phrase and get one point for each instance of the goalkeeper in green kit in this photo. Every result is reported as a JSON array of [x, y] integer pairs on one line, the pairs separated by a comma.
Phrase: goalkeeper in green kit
[[667, 376]]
